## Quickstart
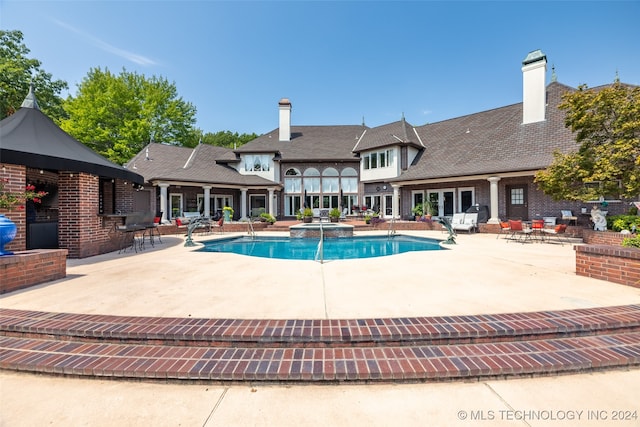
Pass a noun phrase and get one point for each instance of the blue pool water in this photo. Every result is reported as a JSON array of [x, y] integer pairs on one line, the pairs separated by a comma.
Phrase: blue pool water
[[334, 249]]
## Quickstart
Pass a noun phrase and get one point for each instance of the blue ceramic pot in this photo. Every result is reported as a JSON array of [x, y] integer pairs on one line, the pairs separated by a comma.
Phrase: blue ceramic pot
[[7, 233]]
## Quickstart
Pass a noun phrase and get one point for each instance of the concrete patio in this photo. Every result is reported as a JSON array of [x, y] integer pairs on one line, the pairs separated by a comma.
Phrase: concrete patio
[[481, 274]]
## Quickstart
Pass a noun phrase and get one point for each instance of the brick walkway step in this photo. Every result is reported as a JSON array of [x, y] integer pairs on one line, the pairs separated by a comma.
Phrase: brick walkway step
[[339, 364], [322, 332]]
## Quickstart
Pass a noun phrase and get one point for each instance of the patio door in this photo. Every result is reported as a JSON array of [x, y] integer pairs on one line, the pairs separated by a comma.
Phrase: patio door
[[517, 202]]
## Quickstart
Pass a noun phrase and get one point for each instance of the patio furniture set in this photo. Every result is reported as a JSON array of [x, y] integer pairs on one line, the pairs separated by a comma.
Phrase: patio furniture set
[[135, 230]]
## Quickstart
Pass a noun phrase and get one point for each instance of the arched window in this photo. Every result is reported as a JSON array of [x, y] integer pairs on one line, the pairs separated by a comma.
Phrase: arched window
[[349, 180], [330, 180], [330, 172], [311, 172], [292, 172], [349, 172]]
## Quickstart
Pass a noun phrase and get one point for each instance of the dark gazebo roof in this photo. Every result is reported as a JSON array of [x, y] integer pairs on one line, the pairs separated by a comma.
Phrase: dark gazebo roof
[[30, 138]]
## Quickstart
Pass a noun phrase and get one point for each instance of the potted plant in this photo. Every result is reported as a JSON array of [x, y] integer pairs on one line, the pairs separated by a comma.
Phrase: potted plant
[[429, 209], [367, 219], [228, 213], [334, 215], [307, 215], [418, 211], [267, 217]]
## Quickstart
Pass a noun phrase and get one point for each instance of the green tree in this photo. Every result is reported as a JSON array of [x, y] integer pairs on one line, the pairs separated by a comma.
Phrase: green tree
[[606, 123], [17, 71], [117, 116], [227, 138]]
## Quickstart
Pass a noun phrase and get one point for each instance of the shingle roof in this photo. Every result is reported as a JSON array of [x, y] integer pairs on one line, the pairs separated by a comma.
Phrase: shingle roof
[[395, 133], [492, 141], [28, 137], [173, 163], [313, 143]]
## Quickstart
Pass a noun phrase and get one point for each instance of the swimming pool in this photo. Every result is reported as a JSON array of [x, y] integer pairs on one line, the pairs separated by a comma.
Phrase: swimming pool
[[334, 249]]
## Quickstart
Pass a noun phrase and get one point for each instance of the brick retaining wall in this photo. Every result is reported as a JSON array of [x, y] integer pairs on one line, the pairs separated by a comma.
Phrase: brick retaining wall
[[613, 238], [612, 263], [28, 268]]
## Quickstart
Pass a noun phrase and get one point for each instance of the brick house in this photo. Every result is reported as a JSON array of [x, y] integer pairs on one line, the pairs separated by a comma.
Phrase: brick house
[[487, 158]]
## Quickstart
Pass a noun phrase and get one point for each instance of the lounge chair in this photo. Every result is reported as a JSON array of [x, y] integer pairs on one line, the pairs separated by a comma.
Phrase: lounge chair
[[464, 221]]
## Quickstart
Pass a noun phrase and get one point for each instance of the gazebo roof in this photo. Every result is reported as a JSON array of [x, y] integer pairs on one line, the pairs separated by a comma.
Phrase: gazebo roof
[[30, 138]]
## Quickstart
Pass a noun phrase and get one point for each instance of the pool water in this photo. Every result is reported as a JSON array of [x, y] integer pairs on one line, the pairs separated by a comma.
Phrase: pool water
[[334, 249]]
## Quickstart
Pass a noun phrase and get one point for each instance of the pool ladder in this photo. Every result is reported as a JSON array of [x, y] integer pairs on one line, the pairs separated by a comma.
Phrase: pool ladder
[[392, 228], [250, 229]]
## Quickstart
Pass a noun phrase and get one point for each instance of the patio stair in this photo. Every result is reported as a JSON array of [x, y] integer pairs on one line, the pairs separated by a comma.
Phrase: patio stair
[[412, 349]]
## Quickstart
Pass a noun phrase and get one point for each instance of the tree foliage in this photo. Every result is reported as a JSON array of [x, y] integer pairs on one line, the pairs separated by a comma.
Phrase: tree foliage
[[117, 115], [227, 138], [17, 71], [606, 123]]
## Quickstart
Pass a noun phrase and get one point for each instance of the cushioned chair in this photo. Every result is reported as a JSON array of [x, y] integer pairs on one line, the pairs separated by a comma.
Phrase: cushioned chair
[[518, 231], [537, 228], [559, 232], [504, 229]]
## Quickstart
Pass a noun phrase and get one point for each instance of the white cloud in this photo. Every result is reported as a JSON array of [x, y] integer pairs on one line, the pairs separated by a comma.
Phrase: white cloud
[[130, 56]]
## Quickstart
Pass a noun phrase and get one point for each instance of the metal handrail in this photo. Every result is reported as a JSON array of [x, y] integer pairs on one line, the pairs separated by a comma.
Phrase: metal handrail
[[251, 231], [392, 228]]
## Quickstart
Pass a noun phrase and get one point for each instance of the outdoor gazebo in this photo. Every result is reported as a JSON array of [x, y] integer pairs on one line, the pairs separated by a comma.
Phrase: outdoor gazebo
[[86, 192]]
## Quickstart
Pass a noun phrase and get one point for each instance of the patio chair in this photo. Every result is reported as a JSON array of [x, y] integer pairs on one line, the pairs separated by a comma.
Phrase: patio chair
[[219, 225], [504, 229], [537, 228], [559, 232], [343, 215], [517, 229]]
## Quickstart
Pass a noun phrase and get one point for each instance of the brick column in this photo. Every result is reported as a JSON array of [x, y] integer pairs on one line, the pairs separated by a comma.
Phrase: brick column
[[79, 227]]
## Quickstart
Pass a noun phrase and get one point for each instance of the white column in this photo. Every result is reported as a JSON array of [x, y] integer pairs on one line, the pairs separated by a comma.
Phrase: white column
[[206, 201], [243, 203], [493, 190], [395, 207], [272, 203], [164, 204]]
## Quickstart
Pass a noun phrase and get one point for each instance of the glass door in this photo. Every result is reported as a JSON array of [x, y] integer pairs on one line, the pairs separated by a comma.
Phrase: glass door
[[175, 200]]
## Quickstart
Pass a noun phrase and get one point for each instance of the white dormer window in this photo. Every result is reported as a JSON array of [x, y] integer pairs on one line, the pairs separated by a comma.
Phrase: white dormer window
[[256, 163], [378, 159]]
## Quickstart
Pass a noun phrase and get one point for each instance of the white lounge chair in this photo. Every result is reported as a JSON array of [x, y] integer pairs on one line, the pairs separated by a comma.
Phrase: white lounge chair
[[464, 221]]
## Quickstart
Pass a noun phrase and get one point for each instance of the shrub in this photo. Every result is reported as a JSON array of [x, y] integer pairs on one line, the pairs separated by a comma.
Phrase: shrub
[[268, 218], [631, 242], [623, 222]]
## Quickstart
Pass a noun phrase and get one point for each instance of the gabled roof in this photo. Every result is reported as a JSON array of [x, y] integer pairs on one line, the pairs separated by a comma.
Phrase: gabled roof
[[309, 143], [28, 137], [493, 141], [396, 133], [163, 162]]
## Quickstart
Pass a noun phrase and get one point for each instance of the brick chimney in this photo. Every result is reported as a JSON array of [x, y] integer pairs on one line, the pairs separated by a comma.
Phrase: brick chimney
[[284, 105], [534, 68]]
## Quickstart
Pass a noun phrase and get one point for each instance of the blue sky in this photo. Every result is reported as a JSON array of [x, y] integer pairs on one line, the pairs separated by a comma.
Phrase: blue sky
[[338, 62]]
